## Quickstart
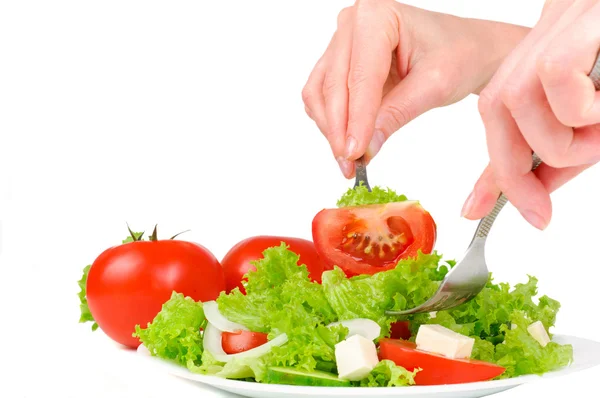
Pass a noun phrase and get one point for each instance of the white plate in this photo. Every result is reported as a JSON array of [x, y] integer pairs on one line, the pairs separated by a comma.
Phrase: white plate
[[586, 355]]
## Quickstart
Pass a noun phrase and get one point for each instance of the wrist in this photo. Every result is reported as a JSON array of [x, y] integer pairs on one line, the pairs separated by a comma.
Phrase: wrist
[[496, 40]]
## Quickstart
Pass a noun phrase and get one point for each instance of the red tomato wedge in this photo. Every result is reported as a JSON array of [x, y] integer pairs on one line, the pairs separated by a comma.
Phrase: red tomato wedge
[[237, 261], [240, 341], [400, 330], [373, 238], [436, 369]]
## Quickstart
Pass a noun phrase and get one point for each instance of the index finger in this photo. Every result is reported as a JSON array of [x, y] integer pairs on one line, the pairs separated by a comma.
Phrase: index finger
[[373, 43]]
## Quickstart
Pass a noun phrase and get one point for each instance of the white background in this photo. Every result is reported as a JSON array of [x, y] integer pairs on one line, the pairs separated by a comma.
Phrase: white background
[[189, 114]]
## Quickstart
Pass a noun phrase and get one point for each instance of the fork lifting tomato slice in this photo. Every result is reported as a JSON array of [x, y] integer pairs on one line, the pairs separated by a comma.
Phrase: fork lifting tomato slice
[[373, 238]]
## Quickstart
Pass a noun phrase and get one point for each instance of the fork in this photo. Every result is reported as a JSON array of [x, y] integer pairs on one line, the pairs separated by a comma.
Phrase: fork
[[467, 278], [361, 174]]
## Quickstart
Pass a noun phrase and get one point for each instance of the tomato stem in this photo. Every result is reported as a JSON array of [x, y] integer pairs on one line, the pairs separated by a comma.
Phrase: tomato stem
[[154, 236], [133, 235], [176, 235]]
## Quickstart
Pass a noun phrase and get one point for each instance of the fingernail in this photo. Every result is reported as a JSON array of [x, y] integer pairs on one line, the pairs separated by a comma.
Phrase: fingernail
[[351, 145], [468, 206], [345, 166], [534, 219], [376, 143]]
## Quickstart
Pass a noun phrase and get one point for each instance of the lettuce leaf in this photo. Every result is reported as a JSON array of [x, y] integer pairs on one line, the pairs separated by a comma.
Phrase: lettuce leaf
[[521, 354], [388, 374], [174, 333], [369, 296], [86, 315], [361, 196], [280, 298], [251, 369]]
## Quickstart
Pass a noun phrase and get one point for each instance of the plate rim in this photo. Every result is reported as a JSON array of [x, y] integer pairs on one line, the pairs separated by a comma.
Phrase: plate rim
[[231, 385]]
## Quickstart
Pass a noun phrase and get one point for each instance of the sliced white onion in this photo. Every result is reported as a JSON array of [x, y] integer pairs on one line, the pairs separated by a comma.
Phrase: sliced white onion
[[367, 328], [143, 350], [213, 344], [214, 316]]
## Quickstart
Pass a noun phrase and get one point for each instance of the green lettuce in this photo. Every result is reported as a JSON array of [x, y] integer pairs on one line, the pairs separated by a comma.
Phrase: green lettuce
[[280, 298], [361, 196], [387, 374], [411, 283], [521, 354], [86, 314], [174, 333]]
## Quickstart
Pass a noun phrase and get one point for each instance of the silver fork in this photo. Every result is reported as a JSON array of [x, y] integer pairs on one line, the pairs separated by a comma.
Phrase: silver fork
[[467, 278], [361, 173]]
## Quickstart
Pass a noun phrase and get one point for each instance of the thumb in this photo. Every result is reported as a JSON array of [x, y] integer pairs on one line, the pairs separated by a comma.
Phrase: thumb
[[420, 91]]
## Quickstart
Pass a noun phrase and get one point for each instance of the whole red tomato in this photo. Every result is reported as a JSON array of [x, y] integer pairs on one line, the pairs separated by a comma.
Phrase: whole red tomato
[[128, 284], [236, 262]]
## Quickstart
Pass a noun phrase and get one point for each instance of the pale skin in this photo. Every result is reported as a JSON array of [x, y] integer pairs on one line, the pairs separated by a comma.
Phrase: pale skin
[[389, 63]]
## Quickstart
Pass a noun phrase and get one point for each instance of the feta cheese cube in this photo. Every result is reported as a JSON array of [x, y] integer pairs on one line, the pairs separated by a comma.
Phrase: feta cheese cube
[[356, 357], [538, 332], [433, 314], [440, 340]]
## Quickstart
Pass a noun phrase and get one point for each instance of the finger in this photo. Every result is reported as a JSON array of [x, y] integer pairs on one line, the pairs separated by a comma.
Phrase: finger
[[510, 155], [554, 178], [312, 95], [483, 198], [335, 87], [511, 161], [564, 68], [375, 38], [485, 193], [545, 134], [421, 90]]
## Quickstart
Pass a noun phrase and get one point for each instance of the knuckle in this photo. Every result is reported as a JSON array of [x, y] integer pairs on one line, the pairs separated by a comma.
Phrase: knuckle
[[513, 96], [356, 78], [400, 113], [307, 96], [550, 69], [344, 15], [443, 89]]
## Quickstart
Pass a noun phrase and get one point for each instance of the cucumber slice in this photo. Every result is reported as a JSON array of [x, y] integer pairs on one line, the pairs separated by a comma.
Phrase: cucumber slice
[[295, 377]]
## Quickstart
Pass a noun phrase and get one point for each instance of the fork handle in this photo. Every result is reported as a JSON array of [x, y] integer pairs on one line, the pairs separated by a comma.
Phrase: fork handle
[[483, 229]]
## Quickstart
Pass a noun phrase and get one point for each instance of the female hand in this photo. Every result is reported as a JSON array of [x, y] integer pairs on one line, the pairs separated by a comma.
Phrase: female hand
[[542, 100], [388, 63]]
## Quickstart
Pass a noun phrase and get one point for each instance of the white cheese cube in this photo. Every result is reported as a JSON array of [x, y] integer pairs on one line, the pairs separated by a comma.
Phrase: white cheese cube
[[440, 340], [538, 332], [433, 314], [356, 357]]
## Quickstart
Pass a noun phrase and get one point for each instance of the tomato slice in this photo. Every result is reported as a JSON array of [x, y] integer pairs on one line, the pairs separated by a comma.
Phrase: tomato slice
[[400, 330], [373, 238], [436, 369], [242, 340]]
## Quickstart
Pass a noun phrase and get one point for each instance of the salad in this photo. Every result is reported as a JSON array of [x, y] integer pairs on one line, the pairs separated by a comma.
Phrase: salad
[[283, 325]]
